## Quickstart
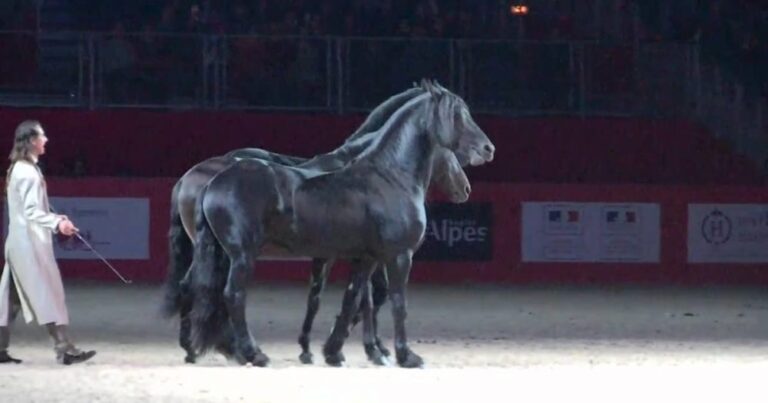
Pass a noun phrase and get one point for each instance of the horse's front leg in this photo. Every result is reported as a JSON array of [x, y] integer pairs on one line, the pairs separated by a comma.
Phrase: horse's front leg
[[361, 271], [368, 310], [234, 295], [320, 268], [379, 286], [398, 270]]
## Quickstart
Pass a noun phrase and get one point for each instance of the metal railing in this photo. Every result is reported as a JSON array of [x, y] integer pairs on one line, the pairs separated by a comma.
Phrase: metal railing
[[337, 74], [333, 74]]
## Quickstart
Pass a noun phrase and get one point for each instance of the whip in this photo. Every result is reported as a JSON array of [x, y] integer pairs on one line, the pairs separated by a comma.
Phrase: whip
[[95, 252]]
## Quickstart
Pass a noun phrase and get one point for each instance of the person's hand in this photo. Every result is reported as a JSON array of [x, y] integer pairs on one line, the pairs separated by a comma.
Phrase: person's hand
[[67, 228], [62, 216]]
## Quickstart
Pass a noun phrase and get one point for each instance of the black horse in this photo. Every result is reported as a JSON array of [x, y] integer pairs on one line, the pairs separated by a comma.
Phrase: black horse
[[182, 232], [370, 211]]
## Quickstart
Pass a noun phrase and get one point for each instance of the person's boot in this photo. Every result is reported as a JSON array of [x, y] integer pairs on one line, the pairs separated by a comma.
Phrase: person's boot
[[66, 352], [5, 341]]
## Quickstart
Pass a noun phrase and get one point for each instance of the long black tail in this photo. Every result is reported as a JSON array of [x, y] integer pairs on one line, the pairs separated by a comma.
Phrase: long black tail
[[180, 258], [207, 279]]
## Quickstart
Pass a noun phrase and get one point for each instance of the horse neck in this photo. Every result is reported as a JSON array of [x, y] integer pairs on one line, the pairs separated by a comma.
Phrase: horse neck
[[364, 137], [379, 116], [406, 151], [341, 156]]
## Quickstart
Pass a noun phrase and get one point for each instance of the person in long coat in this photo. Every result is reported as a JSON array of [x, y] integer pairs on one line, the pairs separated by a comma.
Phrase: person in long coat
[[31, 276]]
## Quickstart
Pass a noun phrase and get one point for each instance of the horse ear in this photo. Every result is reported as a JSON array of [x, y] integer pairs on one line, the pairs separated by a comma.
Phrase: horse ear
[[429, 87], [425, 84], [439, 88]]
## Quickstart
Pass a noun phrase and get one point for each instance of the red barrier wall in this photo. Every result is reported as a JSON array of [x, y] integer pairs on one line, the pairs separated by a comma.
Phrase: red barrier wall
[[551, 149], [506, 265]]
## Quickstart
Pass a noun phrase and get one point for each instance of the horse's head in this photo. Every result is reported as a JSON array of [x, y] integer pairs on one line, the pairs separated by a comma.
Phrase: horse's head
[[449, 176], [456, 129]]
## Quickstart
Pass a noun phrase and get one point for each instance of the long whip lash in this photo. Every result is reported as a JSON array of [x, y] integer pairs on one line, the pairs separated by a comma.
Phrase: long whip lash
[[117, 273]]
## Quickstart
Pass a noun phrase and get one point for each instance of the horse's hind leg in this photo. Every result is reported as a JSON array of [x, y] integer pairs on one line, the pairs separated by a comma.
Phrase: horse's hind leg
[[361, 272], [185, 331], [234, 296], [185, 328], [320, 269]]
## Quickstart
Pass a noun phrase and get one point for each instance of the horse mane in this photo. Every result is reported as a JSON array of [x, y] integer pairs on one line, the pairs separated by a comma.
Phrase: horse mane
[[394, 125], [379, 115], [367, 133], [384, 122]]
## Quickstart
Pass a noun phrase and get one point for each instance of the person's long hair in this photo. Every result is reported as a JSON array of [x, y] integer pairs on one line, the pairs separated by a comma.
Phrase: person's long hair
[[22, 145]]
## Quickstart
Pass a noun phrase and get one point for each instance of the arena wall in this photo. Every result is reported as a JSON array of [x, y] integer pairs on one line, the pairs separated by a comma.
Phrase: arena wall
[[482, 242]]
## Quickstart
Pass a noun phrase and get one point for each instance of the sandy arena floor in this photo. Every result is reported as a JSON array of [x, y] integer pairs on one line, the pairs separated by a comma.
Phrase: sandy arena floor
[[479, 343]]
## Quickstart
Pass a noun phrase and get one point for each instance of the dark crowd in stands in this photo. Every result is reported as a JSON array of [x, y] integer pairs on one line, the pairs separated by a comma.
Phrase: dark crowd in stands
[[733, 32], [737, 21]]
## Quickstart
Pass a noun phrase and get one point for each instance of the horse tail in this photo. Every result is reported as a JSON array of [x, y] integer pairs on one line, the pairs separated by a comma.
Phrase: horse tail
[[180, 258], [208, 278]]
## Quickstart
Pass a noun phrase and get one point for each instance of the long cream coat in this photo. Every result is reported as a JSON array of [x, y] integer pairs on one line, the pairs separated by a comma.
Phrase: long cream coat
[[29, 250]]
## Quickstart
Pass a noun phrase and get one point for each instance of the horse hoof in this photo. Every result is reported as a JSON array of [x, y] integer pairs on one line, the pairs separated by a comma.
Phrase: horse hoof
[[306, 358], [259, 360], [410, 360], [335, 360], [238, 358], [374, 354], [190, 359], [379, 360], [381, 347]]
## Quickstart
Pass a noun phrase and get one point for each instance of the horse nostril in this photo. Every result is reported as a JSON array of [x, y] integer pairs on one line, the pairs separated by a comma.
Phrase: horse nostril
[[467, 189], [489, 148]]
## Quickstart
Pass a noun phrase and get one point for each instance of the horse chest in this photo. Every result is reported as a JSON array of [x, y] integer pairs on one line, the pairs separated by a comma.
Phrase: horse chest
[[401, 225]]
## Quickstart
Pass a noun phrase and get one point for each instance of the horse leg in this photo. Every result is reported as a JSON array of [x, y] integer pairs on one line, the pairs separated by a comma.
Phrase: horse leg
[[379, 285], [226, 345], [320, 268], [372, 350], [361, 271], [185, 331], [177, 296], [234, 297], [398, 270]]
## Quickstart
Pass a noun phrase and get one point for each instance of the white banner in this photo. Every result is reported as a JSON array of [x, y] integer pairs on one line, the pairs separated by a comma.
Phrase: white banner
[[590, 232], [728, 233], [118, 228]]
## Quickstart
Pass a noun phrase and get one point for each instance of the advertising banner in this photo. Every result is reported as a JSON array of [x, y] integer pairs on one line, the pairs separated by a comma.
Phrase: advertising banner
[[458, 232], [117, 227], [590, 232], [728, 233]]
